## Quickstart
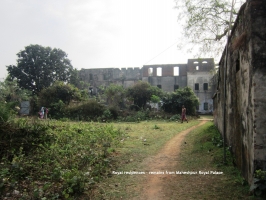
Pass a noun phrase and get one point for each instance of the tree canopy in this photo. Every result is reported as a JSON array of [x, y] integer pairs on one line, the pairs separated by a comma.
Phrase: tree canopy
[[10, 92], [206, 23], [58, 96], [173, 102], [39, 67], [115, 94], [142, 92]]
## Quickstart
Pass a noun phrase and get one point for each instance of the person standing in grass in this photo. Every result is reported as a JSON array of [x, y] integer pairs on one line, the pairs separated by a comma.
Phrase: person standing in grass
[[183, 116]]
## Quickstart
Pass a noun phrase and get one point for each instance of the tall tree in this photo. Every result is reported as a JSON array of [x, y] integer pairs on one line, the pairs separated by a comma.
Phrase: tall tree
[[206, 24], [39, 67]]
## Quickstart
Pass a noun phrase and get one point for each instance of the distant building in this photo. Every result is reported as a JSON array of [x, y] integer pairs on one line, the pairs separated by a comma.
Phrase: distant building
[[196, 74]]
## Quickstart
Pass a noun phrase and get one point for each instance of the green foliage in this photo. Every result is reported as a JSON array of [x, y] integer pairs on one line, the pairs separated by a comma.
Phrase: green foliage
[[258, 187], [137, 116], [205, 25], [10, 92], [89, 110], [156, 127], [142, 92], [155, 99], [175, 118], [107, 114], [173, 102], [59, 91], [22, 136], [217, 140], [57, 109], [55, 160], [39, 67], [6, 111], [115, 95], [57, 97], [114, 112]]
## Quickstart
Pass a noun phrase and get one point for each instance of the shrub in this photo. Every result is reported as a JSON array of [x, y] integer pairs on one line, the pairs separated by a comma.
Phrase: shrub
[[22, 136], [175, 118], [114, 112], [89, 110], [6, 111]]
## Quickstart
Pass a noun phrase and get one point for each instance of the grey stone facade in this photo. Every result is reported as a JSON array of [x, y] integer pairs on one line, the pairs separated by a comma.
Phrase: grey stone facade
[[197, 74]]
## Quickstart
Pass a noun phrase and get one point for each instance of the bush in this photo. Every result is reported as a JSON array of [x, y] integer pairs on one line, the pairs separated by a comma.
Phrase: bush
[[172, 103], [6, 111], [134, 107], [87, 111], [54, 159], [114, 112], [22, 136], [175, 118]]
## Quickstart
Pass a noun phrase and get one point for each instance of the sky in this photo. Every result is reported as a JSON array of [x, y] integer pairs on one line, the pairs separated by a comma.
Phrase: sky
[[94, 33]]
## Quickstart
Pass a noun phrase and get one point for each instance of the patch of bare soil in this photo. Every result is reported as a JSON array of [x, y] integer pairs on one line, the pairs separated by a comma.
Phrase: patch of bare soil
[[168, 185]]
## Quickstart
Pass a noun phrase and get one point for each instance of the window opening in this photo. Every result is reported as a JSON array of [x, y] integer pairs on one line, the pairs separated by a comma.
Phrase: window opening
[[176, 71], [150, 71], [205, 86], [205, 106], [196, 86], [159, 71]]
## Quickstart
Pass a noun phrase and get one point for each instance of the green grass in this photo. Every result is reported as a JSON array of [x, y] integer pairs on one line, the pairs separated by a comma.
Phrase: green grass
[[204, 151], [134, 151], [146, 138], [78, 162]]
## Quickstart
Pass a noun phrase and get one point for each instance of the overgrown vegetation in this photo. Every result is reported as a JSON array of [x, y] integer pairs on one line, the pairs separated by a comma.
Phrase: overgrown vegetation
[[201, 150], [204, 151], [53, 159], [173, 102]]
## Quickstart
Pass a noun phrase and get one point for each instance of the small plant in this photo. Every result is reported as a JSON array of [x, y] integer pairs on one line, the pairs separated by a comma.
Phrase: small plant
[[156, 127], [217, 140], [175, 118], [107, 114], [259, 183]]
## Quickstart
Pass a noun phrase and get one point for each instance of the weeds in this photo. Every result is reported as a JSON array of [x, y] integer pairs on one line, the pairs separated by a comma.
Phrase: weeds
[[54, 159]]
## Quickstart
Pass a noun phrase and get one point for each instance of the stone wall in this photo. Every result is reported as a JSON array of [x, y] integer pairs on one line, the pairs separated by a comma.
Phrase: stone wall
[[240, 106]]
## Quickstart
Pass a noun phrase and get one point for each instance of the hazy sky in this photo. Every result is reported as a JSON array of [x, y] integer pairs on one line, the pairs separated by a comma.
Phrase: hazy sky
[[94, 33]]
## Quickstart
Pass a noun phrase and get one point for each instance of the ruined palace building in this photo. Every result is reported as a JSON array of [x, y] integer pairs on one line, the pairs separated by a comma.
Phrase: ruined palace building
[[196, 74]]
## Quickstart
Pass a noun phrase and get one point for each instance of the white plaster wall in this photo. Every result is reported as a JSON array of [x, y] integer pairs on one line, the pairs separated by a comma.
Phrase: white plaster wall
[[204, 96]]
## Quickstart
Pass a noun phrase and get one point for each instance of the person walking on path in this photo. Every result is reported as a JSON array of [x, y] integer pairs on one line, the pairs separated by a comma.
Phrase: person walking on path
[[183, 114]]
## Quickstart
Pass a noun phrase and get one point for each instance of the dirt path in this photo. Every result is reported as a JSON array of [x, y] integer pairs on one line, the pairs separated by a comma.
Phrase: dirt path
[[157, 187]]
